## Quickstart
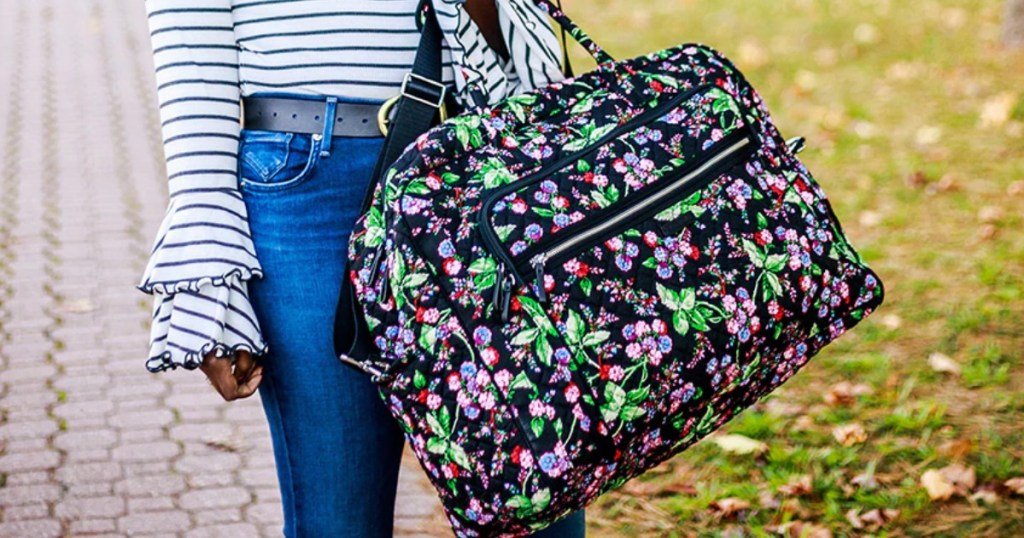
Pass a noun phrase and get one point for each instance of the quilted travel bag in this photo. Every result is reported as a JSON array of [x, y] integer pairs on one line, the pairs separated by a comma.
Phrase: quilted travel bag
[[567, 288]]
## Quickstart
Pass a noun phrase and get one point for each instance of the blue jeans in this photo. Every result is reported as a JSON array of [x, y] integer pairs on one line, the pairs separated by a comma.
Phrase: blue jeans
[[336, 447]]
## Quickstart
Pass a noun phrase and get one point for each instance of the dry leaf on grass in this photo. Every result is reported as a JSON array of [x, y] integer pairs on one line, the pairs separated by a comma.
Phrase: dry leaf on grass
[[1015, 485], [729, 506], [871, 520], [850, 434], [957, 448], [984, 496], [797, 487], [996, 111], [939, 489], [955, 479], [739, 444], [991, 214], [943, 364], [802, 529], [845, 393]]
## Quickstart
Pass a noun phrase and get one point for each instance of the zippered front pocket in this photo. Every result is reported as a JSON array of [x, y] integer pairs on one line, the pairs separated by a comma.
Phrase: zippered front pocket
[[598, 181], [617, 218]]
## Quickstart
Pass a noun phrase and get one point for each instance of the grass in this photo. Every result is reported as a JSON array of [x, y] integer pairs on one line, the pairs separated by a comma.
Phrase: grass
[[914, 116]]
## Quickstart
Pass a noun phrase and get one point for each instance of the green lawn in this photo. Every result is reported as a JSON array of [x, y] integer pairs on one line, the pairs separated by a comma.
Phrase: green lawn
[[914, 117]]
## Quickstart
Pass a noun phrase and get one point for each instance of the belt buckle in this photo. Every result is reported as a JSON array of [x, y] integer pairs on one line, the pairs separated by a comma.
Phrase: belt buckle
[[385, 109]]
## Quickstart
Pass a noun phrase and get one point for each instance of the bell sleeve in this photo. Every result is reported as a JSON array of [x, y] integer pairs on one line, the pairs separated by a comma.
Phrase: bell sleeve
[[203, 254]]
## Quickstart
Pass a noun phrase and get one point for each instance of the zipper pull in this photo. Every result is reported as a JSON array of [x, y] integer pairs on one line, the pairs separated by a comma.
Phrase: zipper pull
[[498, 283], [538, 267], [506, 299], [375, 264]]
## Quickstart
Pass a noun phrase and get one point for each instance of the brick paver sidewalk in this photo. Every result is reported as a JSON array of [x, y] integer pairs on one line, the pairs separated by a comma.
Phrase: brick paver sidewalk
[[91, 443]]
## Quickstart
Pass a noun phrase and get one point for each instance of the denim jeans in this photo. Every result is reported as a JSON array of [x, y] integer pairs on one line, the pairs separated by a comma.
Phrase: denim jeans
[[337, 449]]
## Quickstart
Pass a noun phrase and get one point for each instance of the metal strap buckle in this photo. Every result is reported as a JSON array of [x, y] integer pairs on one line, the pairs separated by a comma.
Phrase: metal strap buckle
[[383, 119]]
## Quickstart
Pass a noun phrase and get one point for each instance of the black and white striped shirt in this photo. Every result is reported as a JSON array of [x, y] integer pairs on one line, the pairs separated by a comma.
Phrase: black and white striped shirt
[[209, 53]]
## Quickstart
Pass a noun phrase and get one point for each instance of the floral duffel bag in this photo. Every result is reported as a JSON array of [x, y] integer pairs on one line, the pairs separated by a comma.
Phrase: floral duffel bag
[[568, 288]]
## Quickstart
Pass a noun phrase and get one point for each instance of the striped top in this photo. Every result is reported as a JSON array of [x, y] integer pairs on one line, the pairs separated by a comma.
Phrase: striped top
[[209, 53]]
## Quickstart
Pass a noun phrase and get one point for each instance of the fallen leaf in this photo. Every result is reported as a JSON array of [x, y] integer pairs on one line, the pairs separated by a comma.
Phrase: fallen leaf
[[996, 111], [806, 81], [853, 516], [939, 489], [876, 518], [752, 54], [990, 214], [803, 423], [845, 393], [984, 496], [803, 529], [865, 34], [729, 506], [865, 480], [943, 364], [739, 444], [946, 183], [802, 485], [850, 434], [766, 500], [870, 219], [1016, 485], [928, 135], [916, 179], [892, 322], [957, 448], [955, 479], [986, 232]]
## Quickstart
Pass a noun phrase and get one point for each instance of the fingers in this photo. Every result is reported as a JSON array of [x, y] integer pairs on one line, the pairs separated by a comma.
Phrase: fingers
[[243, 366], [226, 378]]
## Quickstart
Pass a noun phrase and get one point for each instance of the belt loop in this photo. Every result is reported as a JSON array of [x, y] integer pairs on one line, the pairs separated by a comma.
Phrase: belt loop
[[329, 120]]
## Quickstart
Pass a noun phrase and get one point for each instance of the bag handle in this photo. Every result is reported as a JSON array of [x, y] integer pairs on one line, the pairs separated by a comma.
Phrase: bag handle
[[577, 33]]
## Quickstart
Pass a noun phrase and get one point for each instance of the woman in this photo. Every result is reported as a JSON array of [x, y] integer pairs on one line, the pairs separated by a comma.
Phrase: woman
[[246, 267]]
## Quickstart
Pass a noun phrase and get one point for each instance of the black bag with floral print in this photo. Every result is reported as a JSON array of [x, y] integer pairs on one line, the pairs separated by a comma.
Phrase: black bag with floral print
[[570, 287]]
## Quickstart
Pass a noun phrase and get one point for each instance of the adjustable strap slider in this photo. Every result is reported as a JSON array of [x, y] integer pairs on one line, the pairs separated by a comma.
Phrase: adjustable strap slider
[[424, 90]]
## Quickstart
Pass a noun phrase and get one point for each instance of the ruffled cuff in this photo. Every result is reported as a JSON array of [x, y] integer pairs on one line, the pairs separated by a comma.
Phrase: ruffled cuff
[[203, 240], [187, 325]]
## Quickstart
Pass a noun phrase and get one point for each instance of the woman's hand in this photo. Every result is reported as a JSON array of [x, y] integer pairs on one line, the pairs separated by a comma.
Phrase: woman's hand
[[233, 381]]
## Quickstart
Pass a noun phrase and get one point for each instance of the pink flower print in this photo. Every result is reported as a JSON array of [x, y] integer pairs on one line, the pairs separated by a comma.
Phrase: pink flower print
[[433, 401], [502, 379]]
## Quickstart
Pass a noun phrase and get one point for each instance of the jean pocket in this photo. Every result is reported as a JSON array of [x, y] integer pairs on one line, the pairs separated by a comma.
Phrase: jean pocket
[[274, 160]]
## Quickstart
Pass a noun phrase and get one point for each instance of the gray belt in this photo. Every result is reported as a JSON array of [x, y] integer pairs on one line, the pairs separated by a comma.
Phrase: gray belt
[[308, 115]]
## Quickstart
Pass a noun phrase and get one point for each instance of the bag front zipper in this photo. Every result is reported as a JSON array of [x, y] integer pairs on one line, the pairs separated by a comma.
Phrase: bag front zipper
[[490, 237], [637, 210], [642, 205]]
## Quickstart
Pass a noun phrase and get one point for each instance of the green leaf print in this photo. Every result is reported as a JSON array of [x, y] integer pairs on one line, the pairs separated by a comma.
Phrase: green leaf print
[[494, 173], [537, 426], [687, 311], [374, 228], [457, 454], [588, 134], [419, 380]]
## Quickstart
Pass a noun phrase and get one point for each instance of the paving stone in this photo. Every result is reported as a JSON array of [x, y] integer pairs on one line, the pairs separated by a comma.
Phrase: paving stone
[[44, 459], [85, 439], [36, 528], [28, 511], [29, 494], [214, 498], [108, 506], [92, 526], [151, 522], [224, 531], [219, 516], [150, 504], [146, 452]]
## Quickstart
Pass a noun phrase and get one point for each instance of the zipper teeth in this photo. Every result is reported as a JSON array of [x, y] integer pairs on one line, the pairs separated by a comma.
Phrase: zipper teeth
[[724, 154]]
